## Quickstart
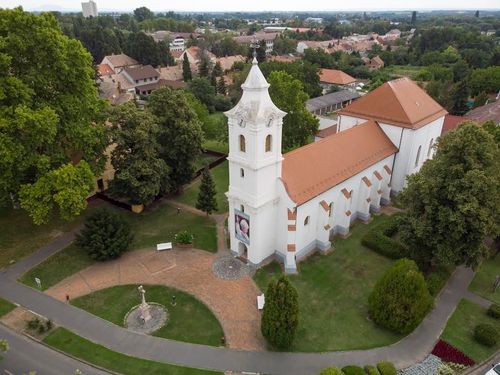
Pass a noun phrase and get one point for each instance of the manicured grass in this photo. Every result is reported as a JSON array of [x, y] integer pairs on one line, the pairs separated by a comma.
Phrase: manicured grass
[[162, 223], [6, 307], [211, 144], [19, 237], [482, 283], [409, 71], [203, 160], [220, 174], [333, 295], [190, 320], [79, 347], [57, 267], [460, 328]]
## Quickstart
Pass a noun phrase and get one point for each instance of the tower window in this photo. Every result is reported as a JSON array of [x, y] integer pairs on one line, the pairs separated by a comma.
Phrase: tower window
[[269, 142], [243, 146], [429, 151], [306, 221], [242, 172], [242, 208], [417, 159]]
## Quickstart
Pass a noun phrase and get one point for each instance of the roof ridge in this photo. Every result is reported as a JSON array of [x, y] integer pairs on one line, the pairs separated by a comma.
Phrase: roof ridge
[[398, 99]]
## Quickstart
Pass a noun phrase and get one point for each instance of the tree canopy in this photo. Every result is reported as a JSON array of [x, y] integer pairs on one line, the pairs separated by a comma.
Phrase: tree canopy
[[140, 174], [299, 125], [52, 138], [180, 135], [453, 202]]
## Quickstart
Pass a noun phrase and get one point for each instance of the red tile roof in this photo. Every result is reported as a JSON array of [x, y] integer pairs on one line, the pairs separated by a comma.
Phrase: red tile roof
[[337, 77], [105, 70], [335, 159], [451, 122], [400, 102], [487, 112]]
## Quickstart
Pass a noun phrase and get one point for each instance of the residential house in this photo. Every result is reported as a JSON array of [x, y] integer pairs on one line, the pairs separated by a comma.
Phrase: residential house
[[333, 77], [226, 63], [119, 62], [487, 112], [268, 38], [374, 63]]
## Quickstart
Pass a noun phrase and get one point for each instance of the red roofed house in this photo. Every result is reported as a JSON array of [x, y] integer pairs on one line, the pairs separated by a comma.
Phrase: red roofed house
[[333, 77], [118, 62], [287, 206]]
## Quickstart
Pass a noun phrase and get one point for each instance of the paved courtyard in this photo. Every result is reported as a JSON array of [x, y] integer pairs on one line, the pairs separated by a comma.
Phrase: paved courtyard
[[232, 301]]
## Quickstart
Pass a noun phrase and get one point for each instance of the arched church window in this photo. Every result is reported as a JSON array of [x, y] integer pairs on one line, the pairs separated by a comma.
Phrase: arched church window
[[269, 141], [306, 220], [331, 209], [417, 159], [243, 146], [429, 151]]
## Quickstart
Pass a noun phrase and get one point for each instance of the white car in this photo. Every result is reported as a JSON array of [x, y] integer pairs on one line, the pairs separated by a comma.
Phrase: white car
[[495, 370]]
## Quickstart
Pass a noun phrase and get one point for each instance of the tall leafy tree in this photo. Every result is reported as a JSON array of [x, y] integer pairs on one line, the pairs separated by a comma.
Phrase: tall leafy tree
[[180, 134], [459, 97], [299, 125], [52, 137], [453, 202], [143, 48], [221, 86], [206, 196], [187, 75], [204, 91], [140, 173], [281, 313], [142, 14]]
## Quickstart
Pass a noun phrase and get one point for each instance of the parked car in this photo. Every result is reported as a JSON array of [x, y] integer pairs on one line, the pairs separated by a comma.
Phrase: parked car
[[495, 370]]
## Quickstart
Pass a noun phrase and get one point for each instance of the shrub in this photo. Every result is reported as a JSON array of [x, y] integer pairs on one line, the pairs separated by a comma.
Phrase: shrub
[[331, 371], [280, 317], [33, 324], [400, 299], [494, 311], [387, 368], [485, 334], [184, 238], [353, 370], [105, 235], [371, 370], [448, 353], [379, 240], [436, 280]]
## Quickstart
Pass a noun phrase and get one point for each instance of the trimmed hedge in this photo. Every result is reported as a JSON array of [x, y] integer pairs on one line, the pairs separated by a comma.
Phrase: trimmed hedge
[[379, 240], [331, 371], [485, 334], [371, 370], [494, 311], [387, 368], [353, 370]]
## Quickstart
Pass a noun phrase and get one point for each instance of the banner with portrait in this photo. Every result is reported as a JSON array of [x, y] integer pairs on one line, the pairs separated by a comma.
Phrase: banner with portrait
[[242, 226]]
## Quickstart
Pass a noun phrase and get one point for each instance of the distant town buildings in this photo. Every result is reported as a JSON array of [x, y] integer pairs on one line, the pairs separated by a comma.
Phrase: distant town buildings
[[89, 9]]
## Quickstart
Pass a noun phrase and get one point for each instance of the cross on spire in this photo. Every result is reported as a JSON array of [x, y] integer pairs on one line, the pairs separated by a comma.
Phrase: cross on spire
[[255, 44]]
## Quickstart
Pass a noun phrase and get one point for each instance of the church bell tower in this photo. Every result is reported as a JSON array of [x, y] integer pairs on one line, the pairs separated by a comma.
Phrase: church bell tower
[[255, 126]]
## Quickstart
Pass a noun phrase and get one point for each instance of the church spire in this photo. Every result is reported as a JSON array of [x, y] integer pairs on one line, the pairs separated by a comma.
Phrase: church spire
[[255, 79]]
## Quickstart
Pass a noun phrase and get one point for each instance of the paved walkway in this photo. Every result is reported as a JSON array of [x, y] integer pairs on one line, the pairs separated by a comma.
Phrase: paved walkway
[[406, 352], [232, 301]]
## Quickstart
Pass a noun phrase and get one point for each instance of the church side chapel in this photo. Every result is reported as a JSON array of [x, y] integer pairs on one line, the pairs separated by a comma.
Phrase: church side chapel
[[290, 205]]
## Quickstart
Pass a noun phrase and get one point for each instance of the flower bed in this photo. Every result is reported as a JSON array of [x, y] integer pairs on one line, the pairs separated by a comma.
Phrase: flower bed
[[449, 353]]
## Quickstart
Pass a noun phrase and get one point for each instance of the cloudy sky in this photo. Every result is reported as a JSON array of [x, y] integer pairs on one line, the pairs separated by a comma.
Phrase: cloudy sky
[[255, 5]]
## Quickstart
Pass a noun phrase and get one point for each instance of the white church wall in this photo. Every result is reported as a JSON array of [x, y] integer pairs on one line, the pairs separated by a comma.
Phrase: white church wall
[[347, 122]]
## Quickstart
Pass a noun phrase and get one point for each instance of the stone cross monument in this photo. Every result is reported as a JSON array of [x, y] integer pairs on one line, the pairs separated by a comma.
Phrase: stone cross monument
[[145, 313]]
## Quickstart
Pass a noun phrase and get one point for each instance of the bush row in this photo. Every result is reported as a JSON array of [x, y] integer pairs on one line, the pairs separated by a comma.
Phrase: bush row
[[382, 368], [379, 240]]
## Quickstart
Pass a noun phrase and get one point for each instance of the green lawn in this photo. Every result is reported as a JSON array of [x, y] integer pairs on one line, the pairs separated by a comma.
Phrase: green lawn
[[19, 237], [220, 175], [163, 222], [56, 268], [485, 277], [79, 347], [409, 71], [460, 327], [203, 160], [6, 307], [214, 145], [190, 320], [333, 296]]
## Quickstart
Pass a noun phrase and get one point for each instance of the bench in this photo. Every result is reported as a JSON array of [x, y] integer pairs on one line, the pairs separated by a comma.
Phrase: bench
[[261, 300], [164, 246]]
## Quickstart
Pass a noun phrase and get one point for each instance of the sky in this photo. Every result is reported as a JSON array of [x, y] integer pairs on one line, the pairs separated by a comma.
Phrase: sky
[[254, 5]]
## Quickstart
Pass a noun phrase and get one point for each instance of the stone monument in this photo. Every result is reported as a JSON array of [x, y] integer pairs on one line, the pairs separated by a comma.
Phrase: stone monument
[[144, 307]]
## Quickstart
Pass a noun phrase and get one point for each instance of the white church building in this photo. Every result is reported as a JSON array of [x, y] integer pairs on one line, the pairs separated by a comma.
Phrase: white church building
[[287, 206]]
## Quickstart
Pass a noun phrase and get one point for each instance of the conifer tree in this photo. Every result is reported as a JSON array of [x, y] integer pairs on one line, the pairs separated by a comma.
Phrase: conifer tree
[[221, 86], [281, 313], [206, 196], [186, 69]]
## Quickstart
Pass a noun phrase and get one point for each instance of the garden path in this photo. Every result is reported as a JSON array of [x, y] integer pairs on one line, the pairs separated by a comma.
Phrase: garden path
[[232, 301]]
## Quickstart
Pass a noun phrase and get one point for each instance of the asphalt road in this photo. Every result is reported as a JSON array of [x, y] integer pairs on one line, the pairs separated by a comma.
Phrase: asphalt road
[[26, 355]]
